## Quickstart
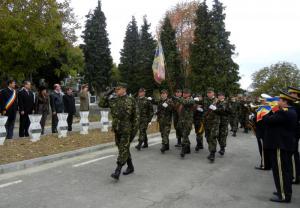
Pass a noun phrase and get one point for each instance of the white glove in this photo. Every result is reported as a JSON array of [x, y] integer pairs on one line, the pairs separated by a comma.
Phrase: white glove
[[200, 109], [212, 107], [251, 116], [149, 98], [246, 105], [165, 105], [196, 99]]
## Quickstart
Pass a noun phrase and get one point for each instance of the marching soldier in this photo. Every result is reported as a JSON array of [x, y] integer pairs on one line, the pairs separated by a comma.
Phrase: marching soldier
[[211, 122], [124, 125], [245, 113], [26, 107], [295, 92], [223, 111], [9, 107], [198, 122], [185, 120], [145, 114], [234, 115], [164, 118], [178, 94], [280, 142]]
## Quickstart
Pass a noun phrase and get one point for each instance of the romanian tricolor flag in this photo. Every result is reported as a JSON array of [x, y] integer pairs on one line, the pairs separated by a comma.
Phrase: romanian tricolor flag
[[11, 100], [273, 102], [158, 66], [262, 111]]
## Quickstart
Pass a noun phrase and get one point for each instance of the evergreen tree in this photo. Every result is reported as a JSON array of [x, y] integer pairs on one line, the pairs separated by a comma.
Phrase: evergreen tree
[[146, 53], [129, 61], [96, 51], [226, 70], [174, 73], [200, 58]]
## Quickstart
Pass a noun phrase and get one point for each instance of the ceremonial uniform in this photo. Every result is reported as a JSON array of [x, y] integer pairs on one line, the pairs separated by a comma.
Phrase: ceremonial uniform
[[279, 140], [223, 111], [145, 114], [26, 105], [9, 107]]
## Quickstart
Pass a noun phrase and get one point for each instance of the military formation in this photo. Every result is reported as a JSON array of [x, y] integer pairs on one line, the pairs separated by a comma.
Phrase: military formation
[[208, 115]]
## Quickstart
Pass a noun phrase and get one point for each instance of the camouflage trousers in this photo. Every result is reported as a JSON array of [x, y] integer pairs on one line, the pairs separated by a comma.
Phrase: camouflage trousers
[[223, 133], [165, 128], [143, 126], [199, 130], [123, 144], [185, 128], [175, 123], [211, 134], [234, 123]]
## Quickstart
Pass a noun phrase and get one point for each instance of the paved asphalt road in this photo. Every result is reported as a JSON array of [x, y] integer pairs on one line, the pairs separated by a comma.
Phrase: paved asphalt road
[[159, 181]]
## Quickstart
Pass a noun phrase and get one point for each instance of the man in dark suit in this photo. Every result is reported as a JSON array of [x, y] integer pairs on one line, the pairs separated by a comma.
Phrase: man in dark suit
[[69, 106], [57, 106], [9, 107], [279, 141], [26, 107]]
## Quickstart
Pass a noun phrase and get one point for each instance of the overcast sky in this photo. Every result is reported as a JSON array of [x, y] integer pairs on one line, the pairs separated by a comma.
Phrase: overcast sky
[[264, 31]]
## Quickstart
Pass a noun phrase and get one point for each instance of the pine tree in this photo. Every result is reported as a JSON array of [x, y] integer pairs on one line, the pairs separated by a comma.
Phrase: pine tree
[[174, 73], [225, 68], [200, 58], [129, 61], [146, 53], [96, 50]]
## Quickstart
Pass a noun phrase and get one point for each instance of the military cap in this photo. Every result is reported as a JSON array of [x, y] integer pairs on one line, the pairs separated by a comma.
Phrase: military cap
[[210, 89], [142, 89], [179, 91], [121, 84], [186, 90], [293, 90], [164, 91], [221, 93], [286, 96]]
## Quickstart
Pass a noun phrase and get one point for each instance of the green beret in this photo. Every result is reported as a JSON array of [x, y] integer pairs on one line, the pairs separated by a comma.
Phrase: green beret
[[122, 84], [210, 89]]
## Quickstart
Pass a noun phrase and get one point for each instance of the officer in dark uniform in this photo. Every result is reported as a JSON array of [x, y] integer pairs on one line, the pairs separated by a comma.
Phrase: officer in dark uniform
[[295, 92], [26, 107], [9, 107], [279, 140]]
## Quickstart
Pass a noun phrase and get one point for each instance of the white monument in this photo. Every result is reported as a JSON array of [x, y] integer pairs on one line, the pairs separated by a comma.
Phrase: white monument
[[3, 120], [104, 122], [35, 128], [84, 122], [62, 126]]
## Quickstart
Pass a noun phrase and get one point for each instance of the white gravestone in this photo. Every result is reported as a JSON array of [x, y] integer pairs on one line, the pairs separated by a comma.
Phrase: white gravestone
[[104, 119], [35, 128], [3, 120], [84, 122], [62, 126]]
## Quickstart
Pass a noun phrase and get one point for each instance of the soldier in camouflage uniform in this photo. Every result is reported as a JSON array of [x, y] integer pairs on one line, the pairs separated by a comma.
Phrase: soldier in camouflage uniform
[[245, 113], [164, 118], [178, 94], [234, 108], [211, 122], [145, 114], [185, 120], [198, 122], [223, 111], [124, 125]]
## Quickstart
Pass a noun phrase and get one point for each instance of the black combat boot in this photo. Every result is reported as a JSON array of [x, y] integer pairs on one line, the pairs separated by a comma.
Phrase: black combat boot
[[145, 144], [222, 151], [139, 146], [165, 147], [187, 149], [234, 134], [199, 145], [211, 157], [117, 172], [130, 168], [178, 142], [246, 131], [183, 151]]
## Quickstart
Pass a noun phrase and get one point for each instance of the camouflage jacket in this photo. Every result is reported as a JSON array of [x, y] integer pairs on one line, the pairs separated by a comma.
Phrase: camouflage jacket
[[210, 116], [245, 107], [223, 111], [186, 109], [144, 109], [164, 114], [124, 114], [234, 108]]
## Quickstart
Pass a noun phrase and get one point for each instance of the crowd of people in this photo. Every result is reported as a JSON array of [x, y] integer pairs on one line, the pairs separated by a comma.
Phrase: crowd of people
[[211, 115], [27, 102]]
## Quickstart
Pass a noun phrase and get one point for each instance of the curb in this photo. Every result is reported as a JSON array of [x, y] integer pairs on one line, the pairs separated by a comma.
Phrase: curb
[[22, 165]]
